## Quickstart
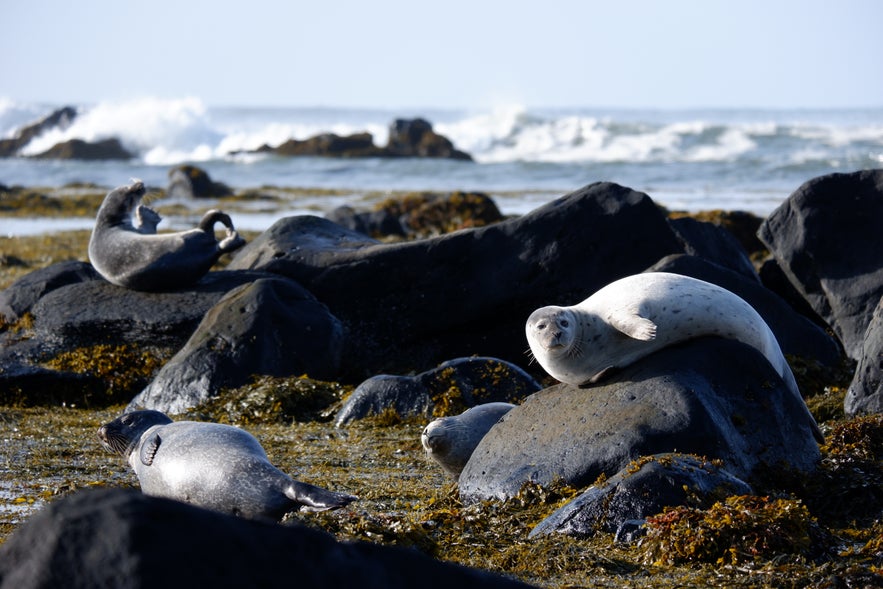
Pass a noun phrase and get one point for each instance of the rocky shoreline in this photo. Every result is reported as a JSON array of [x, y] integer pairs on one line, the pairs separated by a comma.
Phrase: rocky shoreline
[[405, 303]]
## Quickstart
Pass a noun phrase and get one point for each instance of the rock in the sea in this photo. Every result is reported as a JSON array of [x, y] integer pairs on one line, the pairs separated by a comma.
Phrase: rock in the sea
[[797, 335], [127, 540], [710, 397], [642, 489], [77, 149], [269, 327], [865, 394], [188, 181], [827, 239], [60, 118], [446, 390], [409, 306], [416, 138], [330, 145]]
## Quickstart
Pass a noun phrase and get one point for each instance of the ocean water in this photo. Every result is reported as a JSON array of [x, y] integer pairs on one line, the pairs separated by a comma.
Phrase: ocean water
[[685, 159]]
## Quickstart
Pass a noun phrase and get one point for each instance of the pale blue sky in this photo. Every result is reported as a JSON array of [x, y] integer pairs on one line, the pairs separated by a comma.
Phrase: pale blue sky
[[451, 53]]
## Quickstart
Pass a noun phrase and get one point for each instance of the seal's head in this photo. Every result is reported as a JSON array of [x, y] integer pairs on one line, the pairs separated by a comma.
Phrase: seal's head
[[436, 437], [120, 203], [552, 331], [123, 434]]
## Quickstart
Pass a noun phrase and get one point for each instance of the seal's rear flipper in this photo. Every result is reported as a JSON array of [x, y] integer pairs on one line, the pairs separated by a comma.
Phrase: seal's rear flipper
[[312, 498]]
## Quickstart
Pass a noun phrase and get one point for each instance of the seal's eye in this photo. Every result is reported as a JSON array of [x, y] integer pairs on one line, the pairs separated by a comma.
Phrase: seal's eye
[[565, 323], [541, 326]]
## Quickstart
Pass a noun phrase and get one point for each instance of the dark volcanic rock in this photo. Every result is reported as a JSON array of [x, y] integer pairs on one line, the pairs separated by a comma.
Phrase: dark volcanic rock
[[77, 149], [796, 334], [62, 118], [96, 311], [828, 241], [715, 244], [640, 490], [269, 327], [416, 138], [22, 294], [127, 540], [192, 182], [413, 305], [452, 387], [865, 394], [710, 397]]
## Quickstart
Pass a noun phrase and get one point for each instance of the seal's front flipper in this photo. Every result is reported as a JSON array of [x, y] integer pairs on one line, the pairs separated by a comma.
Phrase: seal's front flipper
[[149, 448], [230, 243], [312, 498], [632, 324]]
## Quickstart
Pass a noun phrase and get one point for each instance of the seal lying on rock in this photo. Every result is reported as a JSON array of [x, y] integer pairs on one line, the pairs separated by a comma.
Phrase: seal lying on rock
[[635, 316], [211, 465], [451, 440], [126, 250]]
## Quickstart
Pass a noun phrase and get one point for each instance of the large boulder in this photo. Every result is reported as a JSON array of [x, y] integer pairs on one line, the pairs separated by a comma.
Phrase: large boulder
[[270, 327], [827, 239], [710, 397], [127, 540], [715, 244], [330, 144], [409, 306], [446, 390], [865, 394], [796, 334]]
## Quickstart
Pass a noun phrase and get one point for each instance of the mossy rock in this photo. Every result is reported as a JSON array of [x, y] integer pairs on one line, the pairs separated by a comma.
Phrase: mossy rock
[[271, 399]]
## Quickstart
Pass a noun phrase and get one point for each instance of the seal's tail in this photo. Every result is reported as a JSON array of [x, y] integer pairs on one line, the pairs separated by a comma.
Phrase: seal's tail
[[312, 498]]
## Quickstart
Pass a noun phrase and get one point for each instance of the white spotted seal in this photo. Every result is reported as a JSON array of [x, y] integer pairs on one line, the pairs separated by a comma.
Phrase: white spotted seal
[[211, 465], [451, 440], [640, 314], [127, 251]]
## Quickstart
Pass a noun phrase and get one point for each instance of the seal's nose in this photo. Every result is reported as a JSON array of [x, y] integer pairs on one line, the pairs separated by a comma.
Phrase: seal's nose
[[102, 433]]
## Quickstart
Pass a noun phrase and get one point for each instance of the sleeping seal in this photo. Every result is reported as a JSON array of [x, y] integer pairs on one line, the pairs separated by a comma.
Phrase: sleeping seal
[[211, 465], [127, 251], [635, 316], [451, 440]]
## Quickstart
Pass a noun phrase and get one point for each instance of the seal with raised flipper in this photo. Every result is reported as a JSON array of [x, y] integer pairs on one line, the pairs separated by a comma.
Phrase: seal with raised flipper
[[127, 251], [637, 315], [451, 440], [212, 465]]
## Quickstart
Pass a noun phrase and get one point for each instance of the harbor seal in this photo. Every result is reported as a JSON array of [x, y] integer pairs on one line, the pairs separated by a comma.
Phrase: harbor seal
[[127, 251], [640, 314], [450, 441], [211, 465]]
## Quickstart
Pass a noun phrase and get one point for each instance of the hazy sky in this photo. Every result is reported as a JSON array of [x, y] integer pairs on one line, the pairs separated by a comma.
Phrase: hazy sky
[[449, 53]]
